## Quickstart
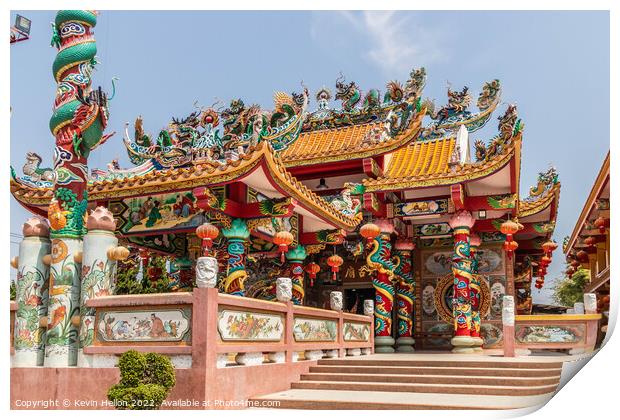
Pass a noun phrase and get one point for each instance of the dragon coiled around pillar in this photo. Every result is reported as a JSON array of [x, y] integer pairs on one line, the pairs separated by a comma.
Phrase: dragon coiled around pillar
[[474, 294], [380, 265], [404, 291], [461, 268], [80, 116]]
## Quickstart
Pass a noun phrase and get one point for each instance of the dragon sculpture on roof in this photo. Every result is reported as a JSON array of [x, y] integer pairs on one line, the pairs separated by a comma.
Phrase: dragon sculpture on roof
[[200, 137], [509, 126], [448, 119]]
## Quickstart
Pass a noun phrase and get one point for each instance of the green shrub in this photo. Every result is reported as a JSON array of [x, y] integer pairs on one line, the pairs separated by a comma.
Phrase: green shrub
[[145, 381]]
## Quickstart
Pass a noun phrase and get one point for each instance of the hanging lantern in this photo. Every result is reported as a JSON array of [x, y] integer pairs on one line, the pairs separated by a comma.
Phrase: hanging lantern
[[370, 231], [283, 239], [601, 224], [207, 232], [545, 260], [539, 284], [509, 228], [548, 247], [582, 256], [510, 247], [570, 271], [590, 241], [335, 261], [312, 269]]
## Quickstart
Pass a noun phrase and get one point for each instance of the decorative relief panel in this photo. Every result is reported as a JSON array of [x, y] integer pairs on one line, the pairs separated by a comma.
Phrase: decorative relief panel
[[312, 329], [249, 326], [144, 325]]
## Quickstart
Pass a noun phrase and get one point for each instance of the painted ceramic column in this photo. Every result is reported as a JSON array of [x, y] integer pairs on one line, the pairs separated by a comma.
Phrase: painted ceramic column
[[101, 252], [236, 235], [474, 293], [379, 260], [404, 295], [461, 223], [296, 257], [31, 294], [77, 123]]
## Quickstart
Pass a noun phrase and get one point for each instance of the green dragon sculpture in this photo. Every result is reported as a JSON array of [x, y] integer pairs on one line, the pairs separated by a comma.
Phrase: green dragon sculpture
[[80, 116]]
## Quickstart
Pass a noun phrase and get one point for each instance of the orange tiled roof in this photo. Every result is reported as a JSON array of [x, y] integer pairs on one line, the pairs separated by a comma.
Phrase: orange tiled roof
[[424, 164], [344, 143], [528, 208], [201, 175], [421, 159]]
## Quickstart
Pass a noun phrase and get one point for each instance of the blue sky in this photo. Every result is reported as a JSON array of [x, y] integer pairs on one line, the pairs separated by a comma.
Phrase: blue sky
[[553, 65]]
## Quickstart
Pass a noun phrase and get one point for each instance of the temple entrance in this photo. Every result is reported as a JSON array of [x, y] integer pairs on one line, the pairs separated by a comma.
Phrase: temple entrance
[[354, 299]]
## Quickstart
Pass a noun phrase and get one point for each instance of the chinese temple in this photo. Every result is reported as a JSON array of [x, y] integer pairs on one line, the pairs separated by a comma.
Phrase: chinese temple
[[378, 195]]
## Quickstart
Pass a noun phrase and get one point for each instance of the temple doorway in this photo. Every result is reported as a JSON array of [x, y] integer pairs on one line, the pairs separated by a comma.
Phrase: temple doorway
[[354, 299]]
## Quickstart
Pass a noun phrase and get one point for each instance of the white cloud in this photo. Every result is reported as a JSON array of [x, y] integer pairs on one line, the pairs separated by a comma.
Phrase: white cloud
[[395, 40]]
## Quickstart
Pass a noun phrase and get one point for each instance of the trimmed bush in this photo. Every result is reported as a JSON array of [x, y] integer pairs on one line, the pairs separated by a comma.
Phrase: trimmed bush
[[145, 381]]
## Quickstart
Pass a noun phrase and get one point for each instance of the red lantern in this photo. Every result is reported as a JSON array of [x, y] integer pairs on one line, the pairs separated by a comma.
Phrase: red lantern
[[549, 246], [370, 231], [539, 285], [545, 261], [570, 271], [582, 256], [510, 247], [601, 224], [283, 239], [207, 232], [312, 269], [590, 241], [509, 228], [575, 264], [335, 261]]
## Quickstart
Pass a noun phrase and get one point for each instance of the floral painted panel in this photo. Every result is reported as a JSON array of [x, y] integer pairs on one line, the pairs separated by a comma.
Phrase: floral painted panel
[[548, 334], [149, 325], [355, 331], [311, 329], [249, 326]]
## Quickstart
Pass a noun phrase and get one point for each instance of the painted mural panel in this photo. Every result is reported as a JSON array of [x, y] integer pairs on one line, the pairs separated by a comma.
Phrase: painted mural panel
[[498, 290], [356, 331], [276, 224], [249, 326], [145, 325], [312, 329], [439, 262], [433, 229], [491, 334], [428, 301], [422, 207], [531, 334]]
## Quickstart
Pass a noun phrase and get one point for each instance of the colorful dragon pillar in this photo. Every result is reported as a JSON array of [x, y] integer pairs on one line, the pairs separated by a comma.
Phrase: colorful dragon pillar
[[404, 294], [79, 118], [474, 292], [237, 234], [381, 267], [461, 223], [296, 257]]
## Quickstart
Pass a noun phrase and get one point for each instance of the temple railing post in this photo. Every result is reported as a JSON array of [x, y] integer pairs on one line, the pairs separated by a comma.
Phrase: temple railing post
[[101, 252], [508, 322], [31, 294]]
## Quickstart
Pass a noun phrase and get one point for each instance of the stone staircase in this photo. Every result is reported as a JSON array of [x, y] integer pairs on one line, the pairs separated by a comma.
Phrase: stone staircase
[[419, 381]]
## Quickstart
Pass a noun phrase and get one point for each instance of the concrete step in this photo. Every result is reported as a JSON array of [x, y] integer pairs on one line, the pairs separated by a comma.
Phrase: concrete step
[[309, 399], [426, 370], [426, 388], [497, 364], [433, 379]]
